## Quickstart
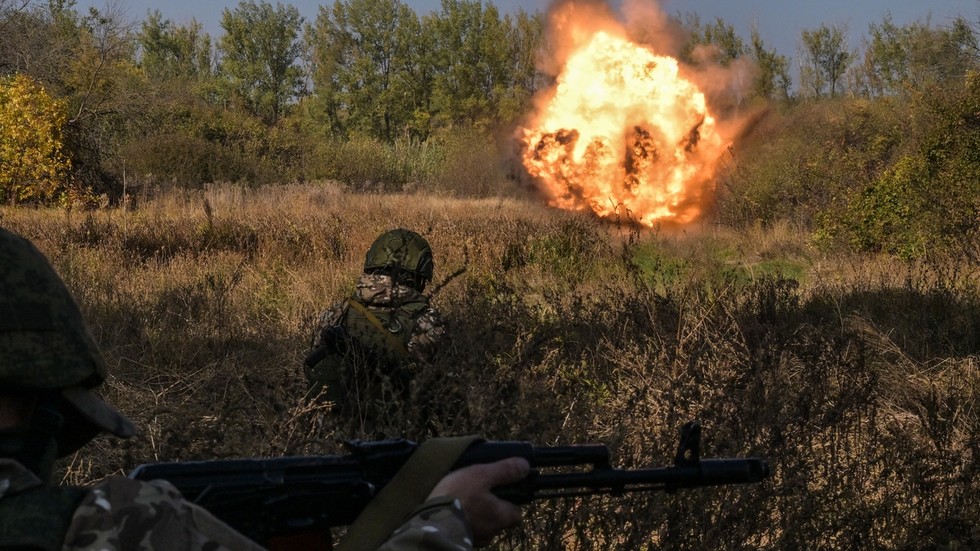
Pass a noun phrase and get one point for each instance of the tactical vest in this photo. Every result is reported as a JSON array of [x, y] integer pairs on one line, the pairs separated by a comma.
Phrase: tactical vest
[[377, 348], [39, 517]]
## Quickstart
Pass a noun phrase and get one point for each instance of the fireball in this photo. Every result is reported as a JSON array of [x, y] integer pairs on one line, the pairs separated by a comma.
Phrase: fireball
[[624, 134]]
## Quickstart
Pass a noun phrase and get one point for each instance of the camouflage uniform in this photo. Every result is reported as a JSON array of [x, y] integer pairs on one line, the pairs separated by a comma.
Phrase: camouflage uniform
[[439, 524], [125, 514], [370, 389], [49, 360], [381, 295], [121, 513], [366, 350]]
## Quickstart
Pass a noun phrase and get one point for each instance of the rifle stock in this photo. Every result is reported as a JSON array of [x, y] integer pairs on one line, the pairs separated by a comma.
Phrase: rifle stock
[[267, 498]]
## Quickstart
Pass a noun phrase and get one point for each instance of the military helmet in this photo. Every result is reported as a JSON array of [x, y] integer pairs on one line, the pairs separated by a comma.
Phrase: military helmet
[[45, 345], [400, 249]]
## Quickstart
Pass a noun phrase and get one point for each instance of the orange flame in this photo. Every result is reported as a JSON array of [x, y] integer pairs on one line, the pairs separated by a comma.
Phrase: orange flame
[[624, 133]]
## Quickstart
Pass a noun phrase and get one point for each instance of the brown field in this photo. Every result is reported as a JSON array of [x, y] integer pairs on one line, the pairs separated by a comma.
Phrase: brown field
[[856, 377]]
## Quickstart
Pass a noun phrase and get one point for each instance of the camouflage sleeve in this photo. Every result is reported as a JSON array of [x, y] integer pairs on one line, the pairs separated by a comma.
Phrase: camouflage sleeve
[[438, 525], [330, 317], [427, 335], [121, 513]]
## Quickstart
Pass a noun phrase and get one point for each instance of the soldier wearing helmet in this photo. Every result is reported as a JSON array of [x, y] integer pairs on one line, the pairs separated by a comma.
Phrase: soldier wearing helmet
[[365, 348], [49, 368]]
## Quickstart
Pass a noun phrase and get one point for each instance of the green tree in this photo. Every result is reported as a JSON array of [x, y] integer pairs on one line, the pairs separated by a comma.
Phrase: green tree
[[474, 63], [928, 199], [259, 54], [899, 58], [772, 80], [364, 70], [169, 51], [526, 35], [824, 59], [39, 40], [715, 42], [322, 51], [419, 73], [89, 62], [33, 164]]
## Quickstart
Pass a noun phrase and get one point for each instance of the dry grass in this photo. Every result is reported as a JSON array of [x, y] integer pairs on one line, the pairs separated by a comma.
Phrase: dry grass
[[856, 377]]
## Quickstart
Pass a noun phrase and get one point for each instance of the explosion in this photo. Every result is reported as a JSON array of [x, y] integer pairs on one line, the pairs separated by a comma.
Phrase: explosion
[[623, 133]]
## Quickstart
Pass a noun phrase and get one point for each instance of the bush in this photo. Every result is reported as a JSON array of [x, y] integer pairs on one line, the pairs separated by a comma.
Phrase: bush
[[33, 164], [363, 164], [187, 161], [798, 162], [930, 199]]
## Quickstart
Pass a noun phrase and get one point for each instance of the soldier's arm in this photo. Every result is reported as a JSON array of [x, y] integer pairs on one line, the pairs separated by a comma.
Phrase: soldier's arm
[[462, 512], [428, 335], [329, 318], [122, 513]]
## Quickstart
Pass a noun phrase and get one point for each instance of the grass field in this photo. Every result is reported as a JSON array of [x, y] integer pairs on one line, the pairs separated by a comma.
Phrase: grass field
[[856, 377]]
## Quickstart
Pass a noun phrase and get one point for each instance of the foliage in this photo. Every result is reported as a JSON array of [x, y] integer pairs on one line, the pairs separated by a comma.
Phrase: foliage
[[168, 51], [914, 56], [773, 80], [717, 43], [363, 164], [724, 44], [472, 63], [930, 199], [824, 60], [381, 71], [38, 40], [206, 144], [401, 102], [33, 164], [365, 54], [804, 159], [259, 51]]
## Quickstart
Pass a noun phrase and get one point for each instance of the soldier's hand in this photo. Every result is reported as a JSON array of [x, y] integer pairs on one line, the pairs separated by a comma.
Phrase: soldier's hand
[[488, 514]]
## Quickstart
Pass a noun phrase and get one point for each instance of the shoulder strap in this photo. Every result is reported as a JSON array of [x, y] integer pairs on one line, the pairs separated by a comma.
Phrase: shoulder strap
[[39, 517], [393, 343], [406, 491]]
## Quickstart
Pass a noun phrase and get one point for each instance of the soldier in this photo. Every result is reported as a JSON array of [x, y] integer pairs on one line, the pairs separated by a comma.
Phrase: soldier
[[366, 349], [49, 366]]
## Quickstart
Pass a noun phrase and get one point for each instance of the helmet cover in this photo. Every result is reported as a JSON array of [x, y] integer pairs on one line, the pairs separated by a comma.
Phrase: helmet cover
[[44, 342], [401, 249]]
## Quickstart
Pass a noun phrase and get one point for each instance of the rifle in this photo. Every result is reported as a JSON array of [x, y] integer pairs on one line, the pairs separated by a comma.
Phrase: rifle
[[267, 498]]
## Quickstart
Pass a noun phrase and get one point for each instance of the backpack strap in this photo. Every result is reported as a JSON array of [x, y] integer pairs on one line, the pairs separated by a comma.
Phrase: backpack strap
[[409, 488], [394, 344]]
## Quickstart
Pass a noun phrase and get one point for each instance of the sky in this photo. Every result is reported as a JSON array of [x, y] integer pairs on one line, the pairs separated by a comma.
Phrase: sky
[[780, 22]]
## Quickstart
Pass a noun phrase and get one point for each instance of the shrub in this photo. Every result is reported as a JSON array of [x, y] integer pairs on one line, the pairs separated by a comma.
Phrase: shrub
[[930, 199], [187, 161], [33, 164]]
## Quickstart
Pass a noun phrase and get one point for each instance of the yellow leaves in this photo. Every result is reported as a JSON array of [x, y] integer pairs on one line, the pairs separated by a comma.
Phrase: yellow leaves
[[33, 164]]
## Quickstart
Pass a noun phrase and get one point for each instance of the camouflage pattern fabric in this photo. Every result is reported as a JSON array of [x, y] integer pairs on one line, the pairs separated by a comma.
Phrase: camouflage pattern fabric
[[121, 513], [439, 525], [401, 249], [382, 297], [46, 346], [44, 341], [33, 515], [370, 386], [125, 514]]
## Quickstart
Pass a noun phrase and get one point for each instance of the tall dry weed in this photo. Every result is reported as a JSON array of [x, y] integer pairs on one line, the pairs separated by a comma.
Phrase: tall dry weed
[[857, 380]]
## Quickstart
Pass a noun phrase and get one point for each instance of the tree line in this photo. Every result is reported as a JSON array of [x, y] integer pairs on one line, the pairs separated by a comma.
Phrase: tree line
[[277, 98]]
